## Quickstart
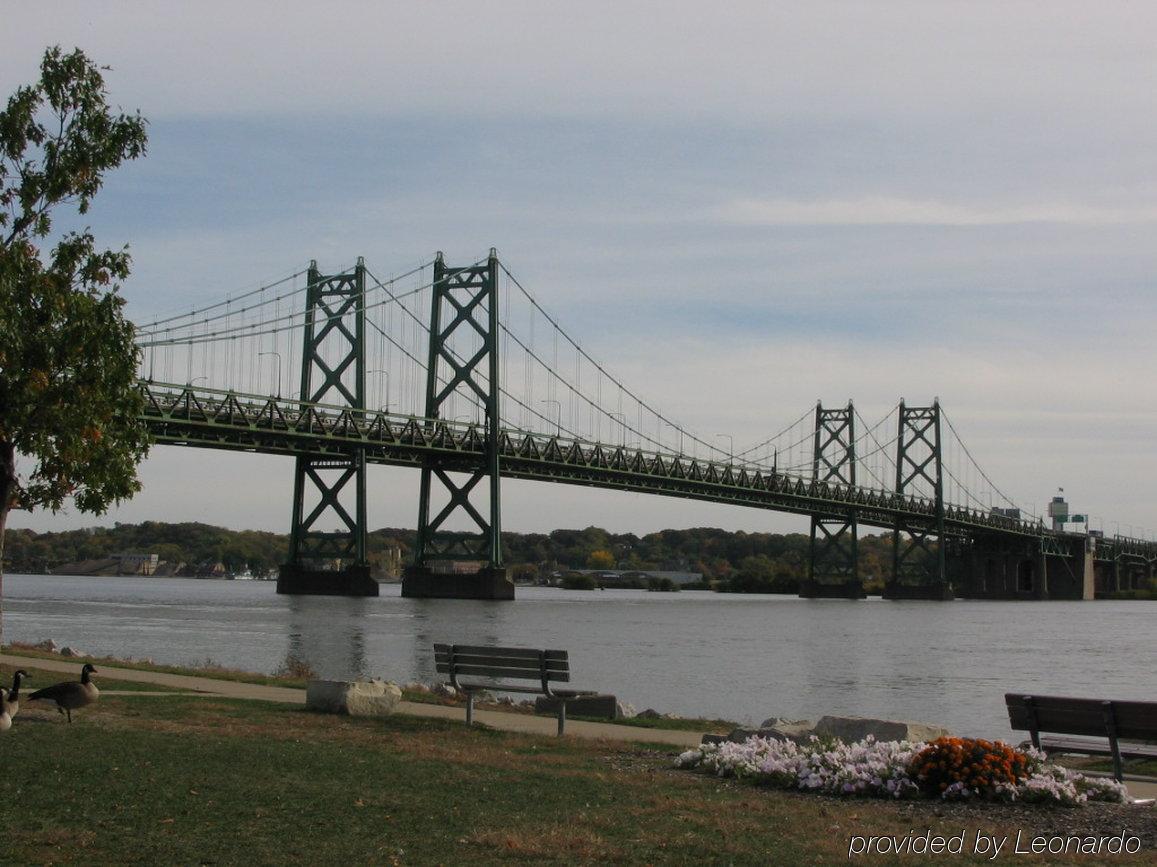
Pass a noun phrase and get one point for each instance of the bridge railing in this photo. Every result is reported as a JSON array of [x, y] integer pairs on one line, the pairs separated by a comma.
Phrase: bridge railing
[[533, 454]]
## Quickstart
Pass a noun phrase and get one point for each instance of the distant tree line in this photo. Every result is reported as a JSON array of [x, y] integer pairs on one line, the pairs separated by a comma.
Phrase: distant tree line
[[731, 561]]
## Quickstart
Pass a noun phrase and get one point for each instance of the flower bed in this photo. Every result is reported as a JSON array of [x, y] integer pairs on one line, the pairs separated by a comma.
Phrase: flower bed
[[948, 768]]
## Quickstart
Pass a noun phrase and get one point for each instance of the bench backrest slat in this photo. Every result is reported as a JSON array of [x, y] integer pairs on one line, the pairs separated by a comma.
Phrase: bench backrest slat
[[505, 673], [1083, 716], [496, 657], [508, 652], [516, 663]]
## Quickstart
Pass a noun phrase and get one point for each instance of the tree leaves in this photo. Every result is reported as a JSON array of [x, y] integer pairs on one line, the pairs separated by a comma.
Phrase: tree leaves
[[58, 138], [68, 362]]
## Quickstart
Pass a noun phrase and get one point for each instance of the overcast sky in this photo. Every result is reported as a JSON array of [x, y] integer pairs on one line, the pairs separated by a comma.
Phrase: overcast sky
[[801, 201]]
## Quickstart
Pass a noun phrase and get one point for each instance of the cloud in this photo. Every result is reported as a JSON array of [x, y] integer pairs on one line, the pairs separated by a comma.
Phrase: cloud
[[752, 59], [887, 211]]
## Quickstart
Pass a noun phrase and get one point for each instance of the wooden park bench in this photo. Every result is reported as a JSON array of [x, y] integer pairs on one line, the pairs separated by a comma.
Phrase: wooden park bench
[[1088, 717], [501, 664]]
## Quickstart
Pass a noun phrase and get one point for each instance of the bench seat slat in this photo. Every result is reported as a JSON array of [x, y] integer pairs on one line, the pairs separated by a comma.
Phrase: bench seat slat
[[1055, 744]]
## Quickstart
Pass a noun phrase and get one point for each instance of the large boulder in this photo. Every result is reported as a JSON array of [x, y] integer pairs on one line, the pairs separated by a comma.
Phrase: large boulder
[[353, 698], [850, 729], [598, 706]]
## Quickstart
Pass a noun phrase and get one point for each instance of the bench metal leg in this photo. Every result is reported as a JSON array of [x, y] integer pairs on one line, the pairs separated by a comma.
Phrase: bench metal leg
[[469, 707], [1111, 730], [561, 717], [1033, 727]]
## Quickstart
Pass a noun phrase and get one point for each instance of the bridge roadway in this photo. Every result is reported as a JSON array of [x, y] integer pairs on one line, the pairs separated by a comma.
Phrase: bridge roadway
[[209, 418]]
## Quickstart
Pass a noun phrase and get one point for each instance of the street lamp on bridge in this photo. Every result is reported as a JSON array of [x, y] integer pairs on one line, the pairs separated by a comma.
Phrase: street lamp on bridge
[[386, 376], [558, 418], [622, 427], [731, 448], [278, 356]]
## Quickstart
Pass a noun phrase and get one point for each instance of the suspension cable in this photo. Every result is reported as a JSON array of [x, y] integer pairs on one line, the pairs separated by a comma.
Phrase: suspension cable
[[229, 300], [709, 446]]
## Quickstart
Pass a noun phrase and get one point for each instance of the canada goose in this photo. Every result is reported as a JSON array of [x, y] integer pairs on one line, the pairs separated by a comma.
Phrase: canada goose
[[71, 694], [10, 703], [5, 720]]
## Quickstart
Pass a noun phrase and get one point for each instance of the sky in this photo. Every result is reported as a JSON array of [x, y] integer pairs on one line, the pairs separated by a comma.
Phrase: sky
[[800, 202]]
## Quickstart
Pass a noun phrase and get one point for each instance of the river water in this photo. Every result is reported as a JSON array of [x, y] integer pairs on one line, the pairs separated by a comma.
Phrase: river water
[[693, 653]]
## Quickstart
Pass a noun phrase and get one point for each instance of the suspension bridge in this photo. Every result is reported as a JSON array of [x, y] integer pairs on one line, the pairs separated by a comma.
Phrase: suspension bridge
[[460, 373]]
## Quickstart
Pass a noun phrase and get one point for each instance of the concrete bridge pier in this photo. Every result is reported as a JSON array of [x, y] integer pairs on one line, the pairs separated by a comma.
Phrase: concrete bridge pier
[[422, 582], [353, 580], [937, 590], [1133, 574], [1108, 577], [1041, 575], [992, 568], [982, 570], [843, 589], [1067, 574], [1125, 573]]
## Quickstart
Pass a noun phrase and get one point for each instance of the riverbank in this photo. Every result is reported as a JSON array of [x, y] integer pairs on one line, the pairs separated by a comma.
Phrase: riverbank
[[240, 771]]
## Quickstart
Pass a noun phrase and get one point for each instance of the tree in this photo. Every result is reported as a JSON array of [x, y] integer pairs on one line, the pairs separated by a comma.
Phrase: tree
[[601, 559], [68, 361]]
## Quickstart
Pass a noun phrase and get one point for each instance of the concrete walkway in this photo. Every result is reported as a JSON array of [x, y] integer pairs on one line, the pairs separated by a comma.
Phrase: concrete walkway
[[510, 722]]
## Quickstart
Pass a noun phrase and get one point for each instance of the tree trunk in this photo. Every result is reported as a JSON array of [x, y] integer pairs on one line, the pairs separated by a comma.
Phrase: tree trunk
[[7, 489]]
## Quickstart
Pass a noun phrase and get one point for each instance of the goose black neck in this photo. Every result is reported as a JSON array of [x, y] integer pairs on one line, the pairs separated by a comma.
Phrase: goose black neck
[[84, 676], [15, 692]]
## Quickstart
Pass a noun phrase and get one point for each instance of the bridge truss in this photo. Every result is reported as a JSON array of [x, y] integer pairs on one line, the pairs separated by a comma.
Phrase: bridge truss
[[505, 392]]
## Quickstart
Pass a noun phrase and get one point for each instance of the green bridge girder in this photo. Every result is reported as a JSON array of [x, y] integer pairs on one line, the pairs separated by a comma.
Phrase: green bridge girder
[[208, 418]]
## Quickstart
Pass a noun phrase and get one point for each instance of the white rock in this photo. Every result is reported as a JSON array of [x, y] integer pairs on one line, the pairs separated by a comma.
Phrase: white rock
[[47, 644], [626, 710], [445, 690], [71, 651], [798, 730], [777, 721], [353, 698]]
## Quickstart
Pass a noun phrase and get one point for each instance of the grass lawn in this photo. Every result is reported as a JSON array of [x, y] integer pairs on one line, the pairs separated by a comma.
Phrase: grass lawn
[[202, 780]]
